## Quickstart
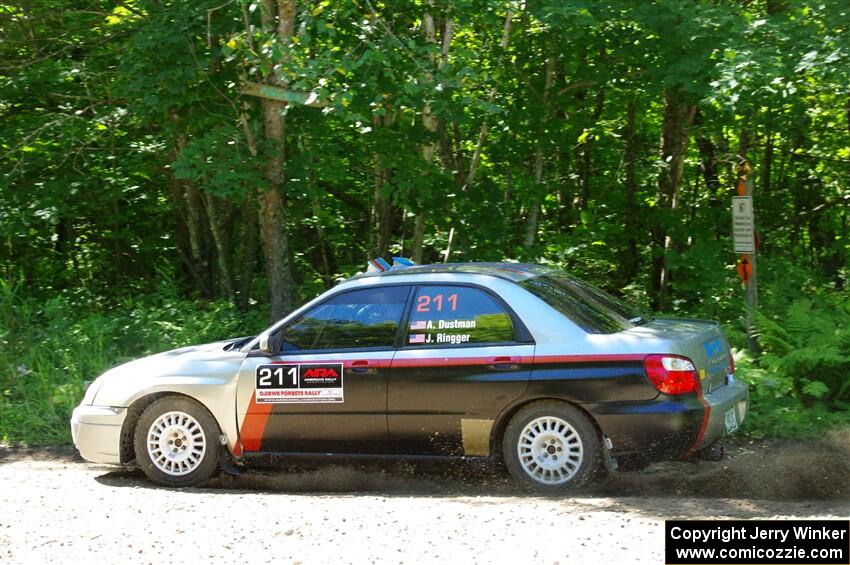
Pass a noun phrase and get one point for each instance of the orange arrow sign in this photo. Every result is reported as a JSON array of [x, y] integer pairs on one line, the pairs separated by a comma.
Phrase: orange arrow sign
[[745, 269]]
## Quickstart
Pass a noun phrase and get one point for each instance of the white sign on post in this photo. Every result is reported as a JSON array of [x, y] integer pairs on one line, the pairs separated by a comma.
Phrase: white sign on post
[[743, 225]]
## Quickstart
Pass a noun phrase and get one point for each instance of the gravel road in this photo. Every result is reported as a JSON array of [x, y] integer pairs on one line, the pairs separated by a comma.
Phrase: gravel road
[[56, 509]]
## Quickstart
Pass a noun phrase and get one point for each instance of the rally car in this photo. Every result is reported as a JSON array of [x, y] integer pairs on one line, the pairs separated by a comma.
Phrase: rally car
[[516, 363]]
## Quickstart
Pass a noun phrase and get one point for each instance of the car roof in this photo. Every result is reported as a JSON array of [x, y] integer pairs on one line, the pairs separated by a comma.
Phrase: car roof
[[515, 272]]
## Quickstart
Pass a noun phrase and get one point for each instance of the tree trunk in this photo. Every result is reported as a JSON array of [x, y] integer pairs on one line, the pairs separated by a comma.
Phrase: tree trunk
[[710, 168], [248, 253], [272, 218], [220, 239], [430, 122], [327, 275], [586, 171], [195, 224], [186, 222], [382, 208], [485, 128], [678, 117], [532, 220], [566, 196], [632, 261], [249, 239], [708, 159], [418, 238], [278, 18]]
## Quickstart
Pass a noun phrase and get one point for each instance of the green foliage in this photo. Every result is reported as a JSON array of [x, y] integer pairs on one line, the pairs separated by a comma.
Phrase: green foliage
[[810, 345], [52, 348], [802, 382], [775, 411]]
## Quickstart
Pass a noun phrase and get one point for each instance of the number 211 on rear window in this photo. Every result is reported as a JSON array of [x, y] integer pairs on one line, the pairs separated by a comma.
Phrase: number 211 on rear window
[[436, 302]]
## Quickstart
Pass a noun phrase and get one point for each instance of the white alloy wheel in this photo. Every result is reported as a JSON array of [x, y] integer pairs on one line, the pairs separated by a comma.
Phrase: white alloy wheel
[[176, 443], [550, 450]]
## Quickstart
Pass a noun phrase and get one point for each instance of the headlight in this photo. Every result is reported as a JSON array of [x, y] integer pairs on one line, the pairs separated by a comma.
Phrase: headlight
[[91, 392]]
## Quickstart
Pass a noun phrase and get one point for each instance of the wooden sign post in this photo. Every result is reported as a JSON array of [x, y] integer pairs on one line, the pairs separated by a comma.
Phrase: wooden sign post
[[744, 238]]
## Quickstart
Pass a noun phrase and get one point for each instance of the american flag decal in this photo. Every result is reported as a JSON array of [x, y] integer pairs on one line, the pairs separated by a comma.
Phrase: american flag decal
[[417, 338], [418, 325]]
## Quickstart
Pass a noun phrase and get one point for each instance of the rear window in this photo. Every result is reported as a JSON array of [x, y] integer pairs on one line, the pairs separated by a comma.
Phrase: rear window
[[457, 316], [594, 310]]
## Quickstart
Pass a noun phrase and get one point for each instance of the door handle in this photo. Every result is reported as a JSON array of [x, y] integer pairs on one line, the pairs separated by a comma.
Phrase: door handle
[[503, 363], [362, 366]]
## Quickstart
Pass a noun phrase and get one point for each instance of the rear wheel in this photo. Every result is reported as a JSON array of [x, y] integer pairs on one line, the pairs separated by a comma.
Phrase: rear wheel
[[552, 447], [176, 442]]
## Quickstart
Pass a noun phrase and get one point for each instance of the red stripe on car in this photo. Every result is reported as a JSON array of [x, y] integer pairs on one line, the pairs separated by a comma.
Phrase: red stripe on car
[[407, 362], [346, 363], [253, 427], [706, 414], [546, 359]]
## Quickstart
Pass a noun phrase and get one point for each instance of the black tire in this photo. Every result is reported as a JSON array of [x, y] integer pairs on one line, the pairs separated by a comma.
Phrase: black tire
[[185, 470], [560, 469]]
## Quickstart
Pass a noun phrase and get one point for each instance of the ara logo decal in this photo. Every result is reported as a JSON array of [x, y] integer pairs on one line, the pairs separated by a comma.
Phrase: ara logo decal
[[321, 372]]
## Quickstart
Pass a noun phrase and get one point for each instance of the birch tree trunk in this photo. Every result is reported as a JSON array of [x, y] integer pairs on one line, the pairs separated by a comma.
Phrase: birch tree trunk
[[429, 121]]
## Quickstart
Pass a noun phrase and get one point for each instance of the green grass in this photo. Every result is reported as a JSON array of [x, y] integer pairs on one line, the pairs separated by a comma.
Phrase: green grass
[[52, 348]]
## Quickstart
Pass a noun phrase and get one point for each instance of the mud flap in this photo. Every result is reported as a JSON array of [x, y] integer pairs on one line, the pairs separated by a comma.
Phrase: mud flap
[[225, 461], [609, 462]]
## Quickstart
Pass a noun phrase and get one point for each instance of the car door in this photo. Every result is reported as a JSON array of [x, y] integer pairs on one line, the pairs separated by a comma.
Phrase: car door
[[326, 389], [464, 357]]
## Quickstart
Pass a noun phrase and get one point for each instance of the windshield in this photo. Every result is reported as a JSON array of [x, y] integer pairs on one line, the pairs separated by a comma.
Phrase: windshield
[[592, 309]]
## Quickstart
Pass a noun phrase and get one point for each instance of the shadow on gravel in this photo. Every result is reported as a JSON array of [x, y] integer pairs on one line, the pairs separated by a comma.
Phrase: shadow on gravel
[[48, 453], [763, 471], [356, 479]]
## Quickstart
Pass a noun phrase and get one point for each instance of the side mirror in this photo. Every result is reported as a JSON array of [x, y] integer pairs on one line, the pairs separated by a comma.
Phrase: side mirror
[[264, 344], [270, 344]]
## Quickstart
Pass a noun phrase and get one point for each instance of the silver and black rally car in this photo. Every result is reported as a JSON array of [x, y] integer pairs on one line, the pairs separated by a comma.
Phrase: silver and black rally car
[[503, 361]]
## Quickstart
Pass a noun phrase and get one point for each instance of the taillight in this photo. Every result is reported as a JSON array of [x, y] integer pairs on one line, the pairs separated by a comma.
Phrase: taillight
[[671, 374], [731, 362]]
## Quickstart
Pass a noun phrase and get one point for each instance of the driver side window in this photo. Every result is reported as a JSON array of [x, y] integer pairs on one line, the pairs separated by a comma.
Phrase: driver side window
[[366, 318]]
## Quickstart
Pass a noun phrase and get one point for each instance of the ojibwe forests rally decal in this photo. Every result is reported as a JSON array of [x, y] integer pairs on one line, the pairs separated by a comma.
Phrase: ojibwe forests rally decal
[[278, 384]]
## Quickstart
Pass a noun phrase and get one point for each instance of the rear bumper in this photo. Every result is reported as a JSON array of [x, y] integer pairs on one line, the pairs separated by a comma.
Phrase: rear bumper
[[669, 427], [734, 397], [96, 431]]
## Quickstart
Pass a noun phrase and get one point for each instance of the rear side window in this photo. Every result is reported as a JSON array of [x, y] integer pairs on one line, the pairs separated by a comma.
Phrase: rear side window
[[454, 316], [594, 310], [365, 318]]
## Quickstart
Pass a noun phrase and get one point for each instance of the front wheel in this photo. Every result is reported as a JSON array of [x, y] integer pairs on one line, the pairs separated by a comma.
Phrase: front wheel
[[176, 442], [551, 447]]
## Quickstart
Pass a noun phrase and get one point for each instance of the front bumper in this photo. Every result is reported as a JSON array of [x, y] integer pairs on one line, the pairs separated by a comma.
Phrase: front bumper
[[734, 397], [96, 431]]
